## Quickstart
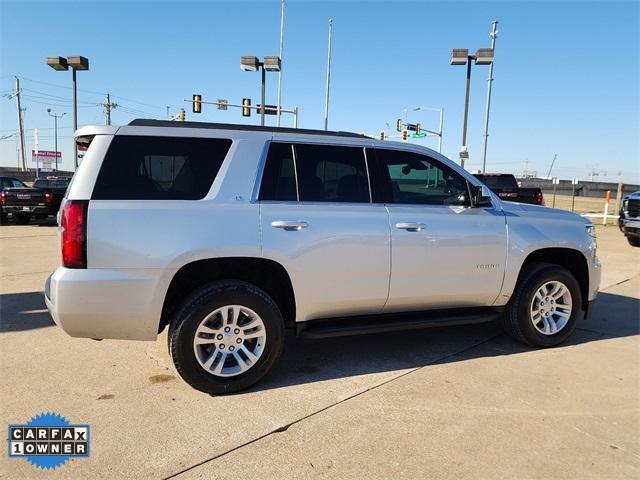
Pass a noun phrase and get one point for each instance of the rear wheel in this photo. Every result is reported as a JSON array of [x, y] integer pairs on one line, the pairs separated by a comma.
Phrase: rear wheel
[[634, 241], [545, 306], [21, 219], [226, 337]]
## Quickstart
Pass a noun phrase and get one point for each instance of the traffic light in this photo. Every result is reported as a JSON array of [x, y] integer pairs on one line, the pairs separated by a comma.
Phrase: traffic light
[[181, 115], [418, 129], [399, 125], [197, 103], [382, 135], [246, 103], [405, 135]]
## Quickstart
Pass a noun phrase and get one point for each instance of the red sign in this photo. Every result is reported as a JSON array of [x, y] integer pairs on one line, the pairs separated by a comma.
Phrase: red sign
[[46, 154]]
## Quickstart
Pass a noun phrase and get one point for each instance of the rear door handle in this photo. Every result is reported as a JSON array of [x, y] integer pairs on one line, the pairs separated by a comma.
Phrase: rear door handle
[[288, 225], [411, 226]]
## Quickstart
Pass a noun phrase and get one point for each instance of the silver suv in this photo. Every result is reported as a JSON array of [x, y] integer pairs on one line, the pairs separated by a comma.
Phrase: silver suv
[[229, 234]]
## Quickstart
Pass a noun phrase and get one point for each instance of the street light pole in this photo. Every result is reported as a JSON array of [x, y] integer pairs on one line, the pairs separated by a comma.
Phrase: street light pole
[[493, 35], [262, 96], [75, 121], [466, 112]]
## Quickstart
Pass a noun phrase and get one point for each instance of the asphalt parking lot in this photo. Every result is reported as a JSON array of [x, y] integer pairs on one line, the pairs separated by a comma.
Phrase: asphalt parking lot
[[460, 402]]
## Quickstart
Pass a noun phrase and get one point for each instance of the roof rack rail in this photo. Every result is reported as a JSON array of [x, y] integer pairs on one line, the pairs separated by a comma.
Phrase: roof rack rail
[[144, 122]]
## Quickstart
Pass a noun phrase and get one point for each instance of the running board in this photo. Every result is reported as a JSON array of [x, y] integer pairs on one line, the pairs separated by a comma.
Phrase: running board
[[344, 326]]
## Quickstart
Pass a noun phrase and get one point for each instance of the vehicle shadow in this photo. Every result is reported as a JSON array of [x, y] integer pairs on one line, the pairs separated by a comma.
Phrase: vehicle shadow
[[310, 361], [23, 311]]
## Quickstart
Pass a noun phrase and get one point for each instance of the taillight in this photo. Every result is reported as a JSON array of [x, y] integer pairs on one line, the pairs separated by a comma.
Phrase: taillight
[[539, 198], [73, 221], [3, 198], [48, 197]]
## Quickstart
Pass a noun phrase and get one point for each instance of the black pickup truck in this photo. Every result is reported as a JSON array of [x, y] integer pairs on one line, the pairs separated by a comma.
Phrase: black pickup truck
[[506, 187], [39, 201]]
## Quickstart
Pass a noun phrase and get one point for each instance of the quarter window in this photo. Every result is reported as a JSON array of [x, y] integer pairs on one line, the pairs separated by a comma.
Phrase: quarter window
[[411, 178], [159, 168], [329, 173]]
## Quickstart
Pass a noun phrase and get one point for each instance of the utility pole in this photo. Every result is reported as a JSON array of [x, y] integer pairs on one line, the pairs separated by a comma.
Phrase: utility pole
[[555, 155], [279, 112], [326, 98], [493, 35], [108, 106], [23, 161]]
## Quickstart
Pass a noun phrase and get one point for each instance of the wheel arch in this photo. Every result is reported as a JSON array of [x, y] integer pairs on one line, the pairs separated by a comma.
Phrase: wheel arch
[[266, 274], [571, 259]]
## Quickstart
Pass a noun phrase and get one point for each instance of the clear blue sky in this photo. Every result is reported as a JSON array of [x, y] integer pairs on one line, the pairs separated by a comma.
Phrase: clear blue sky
[[566, 73]]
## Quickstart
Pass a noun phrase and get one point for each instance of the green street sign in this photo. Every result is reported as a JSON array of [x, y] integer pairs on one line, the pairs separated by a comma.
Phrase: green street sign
[[418, 135]]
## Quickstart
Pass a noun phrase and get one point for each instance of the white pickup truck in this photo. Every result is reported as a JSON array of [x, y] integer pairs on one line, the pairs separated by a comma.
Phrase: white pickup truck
[[229, 234]]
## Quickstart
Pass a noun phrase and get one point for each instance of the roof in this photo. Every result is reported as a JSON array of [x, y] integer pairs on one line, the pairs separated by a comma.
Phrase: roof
[[143, 122]]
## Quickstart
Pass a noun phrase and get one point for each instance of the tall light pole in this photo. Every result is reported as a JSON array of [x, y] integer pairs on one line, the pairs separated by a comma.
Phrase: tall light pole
[[493, 35], [281, 59], [460, 56], [326, 97], [249, 63], [55, 135], [76, 62]]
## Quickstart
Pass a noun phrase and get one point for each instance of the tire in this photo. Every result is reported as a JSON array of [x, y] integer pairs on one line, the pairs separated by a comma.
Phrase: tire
[[203, 310], [634, 241], [518, 320], [21, 219]]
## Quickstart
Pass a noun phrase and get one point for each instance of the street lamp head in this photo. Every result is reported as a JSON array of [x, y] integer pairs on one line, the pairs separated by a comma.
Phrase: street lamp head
[[459, 56], [249, 63], [78, 63], [484, 56], [272, 64], [58, 63], [48, 110]]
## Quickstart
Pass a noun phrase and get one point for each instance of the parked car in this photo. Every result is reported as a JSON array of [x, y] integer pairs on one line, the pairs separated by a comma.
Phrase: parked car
[[229, 234], [630, 218], [8, 182], [39, 201], [507, 188]]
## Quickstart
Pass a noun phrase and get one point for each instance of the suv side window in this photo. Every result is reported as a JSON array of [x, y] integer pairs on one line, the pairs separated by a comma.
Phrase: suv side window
[[159, 168], [411, 178], [329, 173], [279, 177]]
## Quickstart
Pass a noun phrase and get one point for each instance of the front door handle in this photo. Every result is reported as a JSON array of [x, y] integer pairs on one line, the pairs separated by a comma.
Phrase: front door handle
[[288, 225], [411, 226]]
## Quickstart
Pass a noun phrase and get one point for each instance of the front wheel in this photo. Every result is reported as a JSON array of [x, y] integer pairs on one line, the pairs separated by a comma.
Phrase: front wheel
[[226, 337], [545, 306], [634, 241]]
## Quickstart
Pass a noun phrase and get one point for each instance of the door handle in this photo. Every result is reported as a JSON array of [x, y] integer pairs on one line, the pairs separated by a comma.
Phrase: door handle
[[290, 226], [411, 226]]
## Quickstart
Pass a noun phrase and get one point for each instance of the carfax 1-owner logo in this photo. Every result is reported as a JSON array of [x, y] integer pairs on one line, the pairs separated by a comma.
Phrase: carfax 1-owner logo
[[48, 440]]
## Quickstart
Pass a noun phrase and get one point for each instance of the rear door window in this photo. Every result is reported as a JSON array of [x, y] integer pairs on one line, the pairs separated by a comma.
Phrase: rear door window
[[159, 168], [329, 173]]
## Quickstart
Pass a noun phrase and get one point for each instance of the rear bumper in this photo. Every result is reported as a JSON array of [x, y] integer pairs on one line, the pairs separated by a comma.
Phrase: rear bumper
[[28, 209], [97, 303]]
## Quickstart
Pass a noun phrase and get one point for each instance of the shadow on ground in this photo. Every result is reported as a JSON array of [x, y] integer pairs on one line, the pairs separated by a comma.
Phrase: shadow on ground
[[309, 361], [23, 311]]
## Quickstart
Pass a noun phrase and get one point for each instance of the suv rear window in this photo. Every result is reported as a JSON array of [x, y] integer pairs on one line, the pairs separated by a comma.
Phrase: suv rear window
[[159, 168]]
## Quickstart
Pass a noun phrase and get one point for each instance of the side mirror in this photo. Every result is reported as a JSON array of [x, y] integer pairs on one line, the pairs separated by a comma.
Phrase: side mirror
[[481, 196]]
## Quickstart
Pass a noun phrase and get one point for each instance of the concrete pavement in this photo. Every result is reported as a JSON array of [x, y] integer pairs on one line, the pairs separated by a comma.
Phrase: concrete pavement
[[449, 403]]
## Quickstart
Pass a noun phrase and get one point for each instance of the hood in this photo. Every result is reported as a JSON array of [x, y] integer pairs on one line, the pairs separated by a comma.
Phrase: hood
[[633, 196], [538, 211]]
